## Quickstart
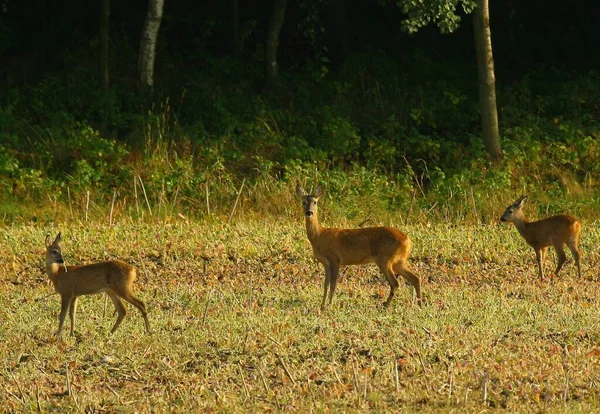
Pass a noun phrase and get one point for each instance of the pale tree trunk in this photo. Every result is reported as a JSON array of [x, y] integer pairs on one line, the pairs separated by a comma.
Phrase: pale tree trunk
[[487, 80], [148, 44], [272, 41], [104, 39]]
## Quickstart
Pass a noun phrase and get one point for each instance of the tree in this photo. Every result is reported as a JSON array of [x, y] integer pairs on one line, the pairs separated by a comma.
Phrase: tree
[[487, 80], [272, 40], [443, 13], [104, 39], [148, 45]]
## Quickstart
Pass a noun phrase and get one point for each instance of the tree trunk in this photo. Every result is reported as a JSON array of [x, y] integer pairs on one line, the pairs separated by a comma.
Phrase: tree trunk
[[148, 45], [235, 27], [104, 38], [272, 41], [487, 81]]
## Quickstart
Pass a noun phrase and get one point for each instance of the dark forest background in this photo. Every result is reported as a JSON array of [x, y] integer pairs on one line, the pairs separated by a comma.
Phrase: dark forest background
[[388, 114]]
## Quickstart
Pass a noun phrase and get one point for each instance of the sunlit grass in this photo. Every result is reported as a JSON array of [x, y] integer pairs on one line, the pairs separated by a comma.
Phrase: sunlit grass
[[234, 310]]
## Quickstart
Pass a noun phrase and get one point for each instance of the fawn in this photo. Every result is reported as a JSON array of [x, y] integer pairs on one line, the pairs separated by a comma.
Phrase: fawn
[[552, 231], [387, 247], [113, 277]]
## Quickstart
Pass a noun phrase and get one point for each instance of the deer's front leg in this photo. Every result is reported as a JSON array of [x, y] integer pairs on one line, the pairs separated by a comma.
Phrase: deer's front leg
[[72, 311], [539, 254], [326, 285], [334, 272], [64, 307]]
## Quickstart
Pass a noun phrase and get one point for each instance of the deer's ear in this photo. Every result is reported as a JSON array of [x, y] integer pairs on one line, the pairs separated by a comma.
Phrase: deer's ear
[[58, 238], [520, 201], [318, 191], [47, 241], [299, 190]]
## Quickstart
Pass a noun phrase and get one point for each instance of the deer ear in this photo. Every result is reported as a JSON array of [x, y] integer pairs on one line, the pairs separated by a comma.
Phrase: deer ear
[[58, 238], [299, 190], [47, 241], [520, 201], [318, 191]]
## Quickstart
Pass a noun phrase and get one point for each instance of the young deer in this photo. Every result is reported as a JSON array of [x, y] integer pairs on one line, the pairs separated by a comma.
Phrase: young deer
[[113, 277], [552, 231], [387, 247]]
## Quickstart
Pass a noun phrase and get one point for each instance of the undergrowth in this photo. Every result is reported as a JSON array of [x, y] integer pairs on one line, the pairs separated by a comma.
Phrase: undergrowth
[[384, 142]]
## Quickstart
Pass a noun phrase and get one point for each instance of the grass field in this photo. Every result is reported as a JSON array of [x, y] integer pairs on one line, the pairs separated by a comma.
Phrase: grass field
[[237, 328]]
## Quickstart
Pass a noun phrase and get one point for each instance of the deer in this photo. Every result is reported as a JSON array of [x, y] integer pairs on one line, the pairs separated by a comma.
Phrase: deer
[[113, 277], [553, 231], [387, 247]]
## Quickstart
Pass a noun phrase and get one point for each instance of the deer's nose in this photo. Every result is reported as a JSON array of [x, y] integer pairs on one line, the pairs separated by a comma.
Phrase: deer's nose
[[61, 260], [308, 213]]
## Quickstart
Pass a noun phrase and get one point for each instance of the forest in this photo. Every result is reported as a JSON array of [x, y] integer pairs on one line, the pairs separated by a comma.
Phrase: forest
[[172, 154], [369, 91]]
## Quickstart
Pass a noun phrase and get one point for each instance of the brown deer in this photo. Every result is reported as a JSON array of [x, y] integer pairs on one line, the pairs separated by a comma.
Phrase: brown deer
[[113, 277], [552, 231], [387, 247]]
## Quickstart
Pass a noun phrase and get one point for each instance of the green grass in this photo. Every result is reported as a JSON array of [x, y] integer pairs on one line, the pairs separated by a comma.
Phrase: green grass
[[237, 328]]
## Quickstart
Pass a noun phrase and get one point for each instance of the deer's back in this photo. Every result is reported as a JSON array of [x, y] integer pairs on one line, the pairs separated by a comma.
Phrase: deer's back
[[366, 245], [96, 277], [551, 230]]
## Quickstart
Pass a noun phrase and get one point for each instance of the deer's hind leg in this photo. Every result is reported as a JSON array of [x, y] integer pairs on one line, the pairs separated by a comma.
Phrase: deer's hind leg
[[410, 277], [572, 245], [561, 257], [121, 311], [388, 272], [130, 297]]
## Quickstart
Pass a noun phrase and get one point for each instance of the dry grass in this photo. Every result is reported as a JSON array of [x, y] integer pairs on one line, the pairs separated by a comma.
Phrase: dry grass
[[236, 324]]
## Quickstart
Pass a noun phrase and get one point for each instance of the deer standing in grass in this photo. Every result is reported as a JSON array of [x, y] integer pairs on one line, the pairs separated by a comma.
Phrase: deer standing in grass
[[552, 231], [113, 277], [387, 247]]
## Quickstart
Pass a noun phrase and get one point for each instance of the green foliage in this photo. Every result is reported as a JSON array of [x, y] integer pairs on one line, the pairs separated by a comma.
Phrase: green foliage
[[95, 160], [440, 12], [8, 163], [414, 134]]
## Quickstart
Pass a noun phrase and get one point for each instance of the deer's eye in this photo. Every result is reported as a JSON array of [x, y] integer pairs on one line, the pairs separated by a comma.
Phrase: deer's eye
[[54, 251]]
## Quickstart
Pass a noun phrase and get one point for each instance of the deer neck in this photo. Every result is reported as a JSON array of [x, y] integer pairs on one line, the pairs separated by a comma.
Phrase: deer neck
[[53, 269], [313, 227], [521, 225]]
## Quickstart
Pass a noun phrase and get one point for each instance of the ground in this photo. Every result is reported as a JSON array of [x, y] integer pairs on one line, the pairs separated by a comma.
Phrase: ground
[[237, 328]]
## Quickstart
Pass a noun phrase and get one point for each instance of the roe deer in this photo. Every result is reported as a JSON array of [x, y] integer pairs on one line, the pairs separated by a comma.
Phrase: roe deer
[[387, 247], [552, 231], [113, 277]]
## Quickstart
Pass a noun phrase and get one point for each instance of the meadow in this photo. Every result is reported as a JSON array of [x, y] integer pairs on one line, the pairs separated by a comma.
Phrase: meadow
[[234, 309]]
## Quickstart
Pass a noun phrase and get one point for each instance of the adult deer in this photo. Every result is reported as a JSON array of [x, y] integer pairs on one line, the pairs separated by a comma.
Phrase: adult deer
[[387, 247], [113, 277], [552, 231]]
